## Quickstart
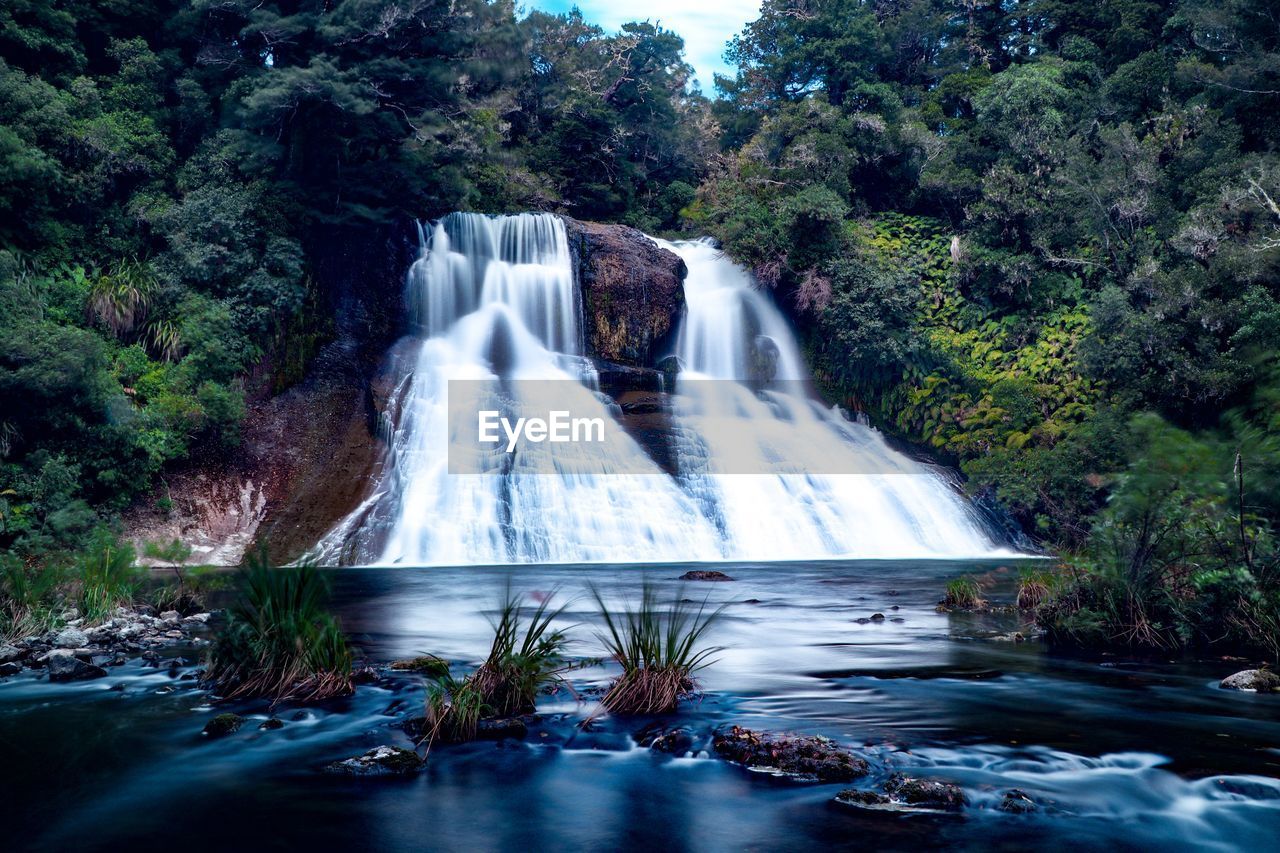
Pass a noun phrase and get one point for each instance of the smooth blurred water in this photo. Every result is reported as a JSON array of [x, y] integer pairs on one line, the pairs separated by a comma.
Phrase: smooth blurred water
[[1121, 755]]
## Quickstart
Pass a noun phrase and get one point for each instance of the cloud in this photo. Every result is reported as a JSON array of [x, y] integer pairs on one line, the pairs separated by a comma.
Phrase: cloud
[[705, 25]]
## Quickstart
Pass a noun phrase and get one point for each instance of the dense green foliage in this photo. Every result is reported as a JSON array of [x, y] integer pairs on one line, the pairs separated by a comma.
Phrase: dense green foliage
[[1042, 238], [169, 168]]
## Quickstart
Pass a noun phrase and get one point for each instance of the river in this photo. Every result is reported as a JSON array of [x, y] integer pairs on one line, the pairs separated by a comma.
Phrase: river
[[1118, 754]]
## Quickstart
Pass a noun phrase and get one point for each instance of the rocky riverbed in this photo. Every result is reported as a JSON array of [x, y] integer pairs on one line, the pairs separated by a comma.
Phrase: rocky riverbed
[[78, 651]]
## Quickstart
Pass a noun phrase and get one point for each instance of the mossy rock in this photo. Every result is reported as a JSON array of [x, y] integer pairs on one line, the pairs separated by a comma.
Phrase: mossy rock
[[428, 665], [223, 725], [379, 761]]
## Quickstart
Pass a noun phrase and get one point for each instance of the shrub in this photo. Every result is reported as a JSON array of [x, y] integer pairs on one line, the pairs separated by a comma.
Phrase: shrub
[[524, 657], [279, 640], [108, 577], [659, 652], [27, 596]]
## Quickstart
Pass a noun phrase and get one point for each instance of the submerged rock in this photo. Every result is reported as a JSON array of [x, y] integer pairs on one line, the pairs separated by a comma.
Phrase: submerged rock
[[812, 757], [864, 799], [379, 761], [10, 668], [223, 724], [1017, 802], [906, 794], [63, 665], [1257, 680], [497, 729], [704, 575], [659, 738], [271, 724]]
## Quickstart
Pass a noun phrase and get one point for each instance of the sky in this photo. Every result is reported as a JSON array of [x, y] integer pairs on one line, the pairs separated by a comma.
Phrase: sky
[[705, 25]]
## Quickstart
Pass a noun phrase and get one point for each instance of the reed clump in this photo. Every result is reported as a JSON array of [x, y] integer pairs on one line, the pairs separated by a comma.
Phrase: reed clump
[[526, 657], [1034, 589], [659, 649], [280, 642], [963, 593]]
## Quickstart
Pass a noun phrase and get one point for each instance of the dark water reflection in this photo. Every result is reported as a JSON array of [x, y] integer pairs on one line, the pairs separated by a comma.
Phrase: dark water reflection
[[1124, 756]]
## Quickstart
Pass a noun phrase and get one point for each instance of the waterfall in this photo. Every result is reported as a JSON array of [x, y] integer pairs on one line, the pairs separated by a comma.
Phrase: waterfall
[[494, 299], [785, 475]]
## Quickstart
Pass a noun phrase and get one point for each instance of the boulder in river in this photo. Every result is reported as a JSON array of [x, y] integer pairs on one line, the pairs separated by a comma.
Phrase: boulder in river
[[11, 653], [807, 757], [223, 724], [63, 665], [10, 668], [704, 575], [1256, 680], [925, 793], [379, 761]]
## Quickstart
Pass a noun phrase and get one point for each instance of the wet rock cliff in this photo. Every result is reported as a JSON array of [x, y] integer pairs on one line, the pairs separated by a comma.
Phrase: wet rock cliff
[[632, 291]]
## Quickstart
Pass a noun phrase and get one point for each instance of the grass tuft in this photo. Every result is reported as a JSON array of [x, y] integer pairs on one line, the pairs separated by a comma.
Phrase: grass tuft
[[525, 657], [963, 593], [658, 649], [109, 578], [279, 641], [1034, 588]]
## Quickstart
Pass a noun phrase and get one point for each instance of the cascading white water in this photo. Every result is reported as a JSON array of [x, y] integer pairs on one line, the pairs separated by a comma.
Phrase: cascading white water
[[788, 477], [494, 299]]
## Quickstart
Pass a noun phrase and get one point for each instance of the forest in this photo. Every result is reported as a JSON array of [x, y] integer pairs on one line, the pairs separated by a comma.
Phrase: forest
[[1037, 240]]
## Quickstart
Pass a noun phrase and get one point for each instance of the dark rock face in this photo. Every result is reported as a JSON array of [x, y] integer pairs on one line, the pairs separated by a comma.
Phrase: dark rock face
[[8, 669], [632, 291], [63, 665], [223, 724], [808, 757], [1258, 680], [308, 452], [379, 761]]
